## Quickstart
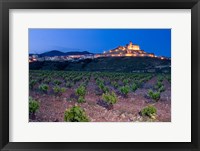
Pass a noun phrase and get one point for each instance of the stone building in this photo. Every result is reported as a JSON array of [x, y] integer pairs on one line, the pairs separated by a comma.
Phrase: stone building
[[128, 50]]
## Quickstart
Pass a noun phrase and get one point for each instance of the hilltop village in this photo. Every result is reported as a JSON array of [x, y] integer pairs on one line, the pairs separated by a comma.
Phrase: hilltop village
[[130, 50]]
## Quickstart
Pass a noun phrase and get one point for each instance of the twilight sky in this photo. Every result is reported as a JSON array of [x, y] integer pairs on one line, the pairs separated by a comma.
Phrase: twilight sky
[[157, 41]]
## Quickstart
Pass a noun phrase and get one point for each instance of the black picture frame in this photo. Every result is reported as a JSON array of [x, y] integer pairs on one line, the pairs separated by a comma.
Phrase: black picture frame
[[5, 5]]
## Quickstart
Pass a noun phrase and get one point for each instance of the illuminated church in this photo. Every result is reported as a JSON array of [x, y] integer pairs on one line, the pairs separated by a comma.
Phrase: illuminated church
[[128, 50]]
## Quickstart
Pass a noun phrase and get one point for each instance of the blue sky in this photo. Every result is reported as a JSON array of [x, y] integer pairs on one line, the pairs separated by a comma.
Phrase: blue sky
[[157, 41]]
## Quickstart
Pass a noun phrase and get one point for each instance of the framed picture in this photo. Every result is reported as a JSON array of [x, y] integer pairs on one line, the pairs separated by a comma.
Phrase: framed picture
[[99, 75]]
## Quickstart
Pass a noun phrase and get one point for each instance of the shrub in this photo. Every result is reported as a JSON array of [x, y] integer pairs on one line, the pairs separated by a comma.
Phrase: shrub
[[103, 87], [149, 111], [57, 82], [32, 83], [160, 78], [134, 87], [161, 89], [33, 105], [168, 77], [75, 114], [138, 83], [81, 99], [154, 95], [81, 91], [47, 80], [124, 90], [58, 90], [125, 81], [99, 81], [109, 98], [158, 85], [85, 83], [114, 84], [43, 87], [76, 79], [69, 84]]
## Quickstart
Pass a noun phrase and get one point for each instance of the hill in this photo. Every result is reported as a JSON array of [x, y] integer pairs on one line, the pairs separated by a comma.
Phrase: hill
[[52, 53], [108, 64], [78, 53], [59, 53]]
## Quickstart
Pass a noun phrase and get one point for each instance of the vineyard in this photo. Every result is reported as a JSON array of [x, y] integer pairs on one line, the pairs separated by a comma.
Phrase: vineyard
[[80, 96]]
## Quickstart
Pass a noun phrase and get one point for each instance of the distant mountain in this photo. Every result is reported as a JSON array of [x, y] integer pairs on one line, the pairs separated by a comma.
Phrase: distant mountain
[[52, 53], [59, 53], [78, 53]]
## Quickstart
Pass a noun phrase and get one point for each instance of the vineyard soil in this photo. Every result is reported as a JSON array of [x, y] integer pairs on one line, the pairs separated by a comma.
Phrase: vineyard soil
[[127, 108]]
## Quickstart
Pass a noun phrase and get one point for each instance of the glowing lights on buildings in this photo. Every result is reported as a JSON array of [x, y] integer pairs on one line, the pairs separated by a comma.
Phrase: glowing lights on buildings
[[130, 50], [131, 46]]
